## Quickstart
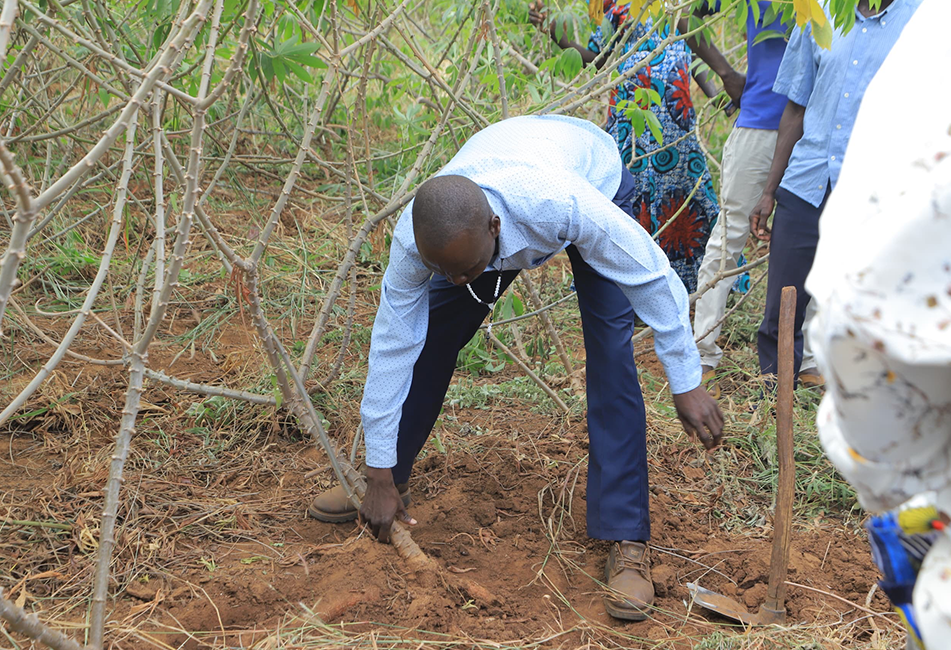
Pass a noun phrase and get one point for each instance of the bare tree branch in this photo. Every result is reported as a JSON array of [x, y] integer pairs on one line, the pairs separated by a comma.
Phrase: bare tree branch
[[30, 626]]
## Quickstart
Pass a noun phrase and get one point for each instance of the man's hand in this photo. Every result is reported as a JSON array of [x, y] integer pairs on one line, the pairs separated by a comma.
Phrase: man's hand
[[382, 504], [537, 14], [733, 84], [700, 414], [760, 215]]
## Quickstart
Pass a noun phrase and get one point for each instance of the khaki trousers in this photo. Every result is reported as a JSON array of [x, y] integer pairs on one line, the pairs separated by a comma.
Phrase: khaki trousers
[[747, 156]]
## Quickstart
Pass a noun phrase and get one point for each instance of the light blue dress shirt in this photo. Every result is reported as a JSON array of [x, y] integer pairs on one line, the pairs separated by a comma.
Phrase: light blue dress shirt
[[550, 179], [830, 84]]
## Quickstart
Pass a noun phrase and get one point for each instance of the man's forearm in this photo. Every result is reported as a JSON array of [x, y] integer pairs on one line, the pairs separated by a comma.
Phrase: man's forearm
[[733, 81], [705, 80], [707, 52], [399, 334], [790, 132], [587, 56]]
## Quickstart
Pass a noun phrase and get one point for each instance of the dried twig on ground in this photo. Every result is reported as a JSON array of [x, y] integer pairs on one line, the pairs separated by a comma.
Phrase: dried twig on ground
[[30, 626]]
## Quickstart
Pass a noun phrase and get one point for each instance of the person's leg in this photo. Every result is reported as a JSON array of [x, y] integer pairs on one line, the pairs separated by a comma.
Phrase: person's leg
[[792, 251], [747, 156], [809, 375], [808, 358], [453, 318], [617, 498]]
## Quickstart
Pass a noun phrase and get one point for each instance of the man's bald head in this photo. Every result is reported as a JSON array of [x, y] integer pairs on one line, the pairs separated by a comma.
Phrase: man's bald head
[[446, 207], [454, 227]]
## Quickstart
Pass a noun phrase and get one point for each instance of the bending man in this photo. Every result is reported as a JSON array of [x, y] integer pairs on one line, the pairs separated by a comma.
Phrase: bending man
[[516, 194]]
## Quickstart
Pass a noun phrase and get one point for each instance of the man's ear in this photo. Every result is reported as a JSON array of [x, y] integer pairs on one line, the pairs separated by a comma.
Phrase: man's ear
[[495, 226]]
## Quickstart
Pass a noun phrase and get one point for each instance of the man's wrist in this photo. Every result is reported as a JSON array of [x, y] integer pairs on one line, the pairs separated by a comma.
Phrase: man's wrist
[[722, 69], [729, 73], [379, 475], [684, 391], [561, 41]]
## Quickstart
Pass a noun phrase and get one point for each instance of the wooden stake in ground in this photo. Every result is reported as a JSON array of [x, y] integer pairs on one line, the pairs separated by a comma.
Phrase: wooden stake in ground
[[773, 609]]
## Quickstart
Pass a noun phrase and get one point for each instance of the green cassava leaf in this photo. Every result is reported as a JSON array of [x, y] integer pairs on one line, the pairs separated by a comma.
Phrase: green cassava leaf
[[822, 33], [654, 125], [636, 115], [766, 35], [298, 71], [571, 63]]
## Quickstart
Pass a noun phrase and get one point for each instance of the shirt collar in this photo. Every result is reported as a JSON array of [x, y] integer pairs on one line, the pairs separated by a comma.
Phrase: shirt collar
[[881, 13]]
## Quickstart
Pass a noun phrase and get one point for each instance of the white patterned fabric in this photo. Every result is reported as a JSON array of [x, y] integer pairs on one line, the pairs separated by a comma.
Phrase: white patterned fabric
[[882, 280]]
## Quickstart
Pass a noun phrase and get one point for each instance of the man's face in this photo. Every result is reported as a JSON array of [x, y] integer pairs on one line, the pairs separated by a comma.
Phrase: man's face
[[463, 259]]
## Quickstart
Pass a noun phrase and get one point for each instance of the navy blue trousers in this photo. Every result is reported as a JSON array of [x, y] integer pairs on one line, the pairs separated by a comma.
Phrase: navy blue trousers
[[617, 495], [792, 249]]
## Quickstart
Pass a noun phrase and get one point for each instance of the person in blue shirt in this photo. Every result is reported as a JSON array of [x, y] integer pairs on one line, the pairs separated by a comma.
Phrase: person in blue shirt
[[824, 89], [747, 156], [517, 193]]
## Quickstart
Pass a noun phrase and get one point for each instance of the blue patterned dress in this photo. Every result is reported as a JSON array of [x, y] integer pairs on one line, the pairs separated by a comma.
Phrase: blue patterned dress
[[666, 175]]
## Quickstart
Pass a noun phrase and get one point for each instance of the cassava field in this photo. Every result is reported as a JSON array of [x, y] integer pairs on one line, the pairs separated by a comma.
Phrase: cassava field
[[201, 200]]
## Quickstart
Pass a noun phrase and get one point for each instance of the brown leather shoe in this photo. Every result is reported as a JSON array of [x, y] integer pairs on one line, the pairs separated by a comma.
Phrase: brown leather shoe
[[811, 378], [628, 576], [708, 379], [334, 507]]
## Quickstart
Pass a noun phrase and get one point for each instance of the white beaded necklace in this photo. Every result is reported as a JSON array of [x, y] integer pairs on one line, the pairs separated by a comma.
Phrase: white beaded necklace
[[495, 298]]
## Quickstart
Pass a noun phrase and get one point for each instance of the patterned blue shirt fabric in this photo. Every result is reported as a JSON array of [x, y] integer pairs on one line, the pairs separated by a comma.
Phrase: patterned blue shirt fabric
[[675, 194], [831, 84], [760, 106], [550, 180]]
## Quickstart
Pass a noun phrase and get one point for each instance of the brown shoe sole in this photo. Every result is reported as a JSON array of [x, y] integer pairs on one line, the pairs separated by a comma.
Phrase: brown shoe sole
[[349, 515], [709, 381], [624, 613], [812, 381]]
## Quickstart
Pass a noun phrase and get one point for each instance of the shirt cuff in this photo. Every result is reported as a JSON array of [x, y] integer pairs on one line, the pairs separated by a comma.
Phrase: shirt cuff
[[684, 376], [380, 455], [796, 95]]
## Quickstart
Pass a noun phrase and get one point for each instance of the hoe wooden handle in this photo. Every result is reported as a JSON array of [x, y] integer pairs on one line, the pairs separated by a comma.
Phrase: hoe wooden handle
[[785, 492]]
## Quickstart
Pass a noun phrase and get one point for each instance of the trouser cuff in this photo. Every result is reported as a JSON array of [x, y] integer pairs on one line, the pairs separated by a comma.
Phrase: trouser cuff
[[620, 534]]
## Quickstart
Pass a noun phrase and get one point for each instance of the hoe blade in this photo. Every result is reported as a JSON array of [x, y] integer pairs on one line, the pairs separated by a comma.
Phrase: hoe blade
[[722, 605]]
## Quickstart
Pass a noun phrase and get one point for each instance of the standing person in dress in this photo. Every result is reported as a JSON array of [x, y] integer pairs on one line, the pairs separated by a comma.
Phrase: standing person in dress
[[672, 178], [747, 157], [824, 89], [516, 194]]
